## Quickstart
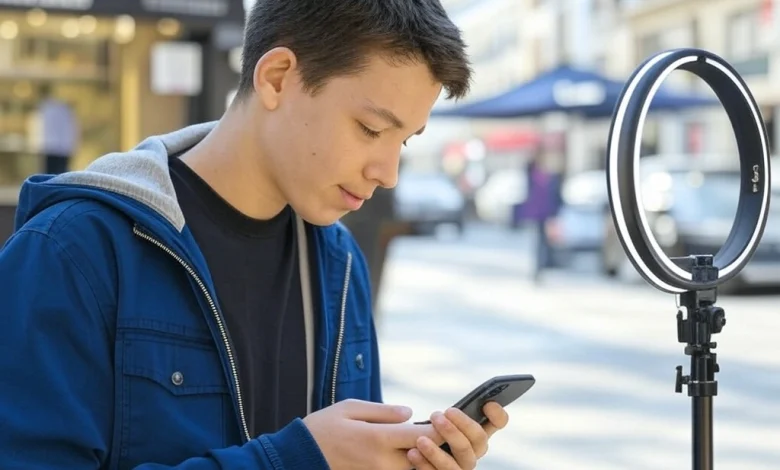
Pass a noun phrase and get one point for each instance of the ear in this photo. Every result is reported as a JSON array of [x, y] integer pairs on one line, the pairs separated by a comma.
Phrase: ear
[[274, 72]]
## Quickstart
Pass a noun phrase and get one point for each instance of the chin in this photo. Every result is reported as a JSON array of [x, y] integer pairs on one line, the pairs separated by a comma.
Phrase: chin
[[321, 218]]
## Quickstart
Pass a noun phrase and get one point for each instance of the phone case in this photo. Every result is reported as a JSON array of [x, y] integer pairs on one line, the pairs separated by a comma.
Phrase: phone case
[[502, 389]]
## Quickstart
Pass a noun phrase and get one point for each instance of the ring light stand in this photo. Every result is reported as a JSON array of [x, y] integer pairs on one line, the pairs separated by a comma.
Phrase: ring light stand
[[694, 279]]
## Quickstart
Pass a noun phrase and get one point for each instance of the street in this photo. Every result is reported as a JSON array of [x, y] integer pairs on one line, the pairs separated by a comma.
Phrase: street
[[455, 312]]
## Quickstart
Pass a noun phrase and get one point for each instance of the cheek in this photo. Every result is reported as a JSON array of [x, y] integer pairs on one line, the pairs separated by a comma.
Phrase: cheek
[[328, 163], [333, 155], [321, 149], [301, 146]]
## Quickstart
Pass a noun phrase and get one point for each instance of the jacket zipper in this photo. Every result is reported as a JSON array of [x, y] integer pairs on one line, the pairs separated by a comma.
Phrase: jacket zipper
[[217, 317], [342, 321]]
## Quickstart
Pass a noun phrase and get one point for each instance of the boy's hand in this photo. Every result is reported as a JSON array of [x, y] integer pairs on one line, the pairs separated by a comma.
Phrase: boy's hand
[[467, 440]]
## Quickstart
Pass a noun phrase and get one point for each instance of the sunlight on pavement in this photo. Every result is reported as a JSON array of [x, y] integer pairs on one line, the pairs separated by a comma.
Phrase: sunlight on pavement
[[603, 355]]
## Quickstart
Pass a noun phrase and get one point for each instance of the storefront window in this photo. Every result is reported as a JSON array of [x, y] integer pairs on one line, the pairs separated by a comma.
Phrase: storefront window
[[65, 58]]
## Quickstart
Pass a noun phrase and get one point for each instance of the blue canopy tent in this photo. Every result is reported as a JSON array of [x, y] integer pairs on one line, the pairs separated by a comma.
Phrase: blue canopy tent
[[570, 90]]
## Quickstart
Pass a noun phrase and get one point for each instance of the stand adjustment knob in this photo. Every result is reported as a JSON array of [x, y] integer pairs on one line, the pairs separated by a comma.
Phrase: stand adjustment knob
[[681, 380], [717, 318]]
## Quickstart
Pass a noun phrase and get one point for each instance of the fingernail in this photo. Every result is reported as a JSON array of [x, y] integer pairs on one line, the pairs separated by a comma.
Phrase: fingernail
[[404, 410]]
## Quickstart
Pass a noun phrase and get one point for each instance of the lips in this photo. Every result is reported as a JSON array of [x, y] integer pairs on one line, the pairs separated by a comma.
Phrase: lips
[[352, 200], [358, 196]]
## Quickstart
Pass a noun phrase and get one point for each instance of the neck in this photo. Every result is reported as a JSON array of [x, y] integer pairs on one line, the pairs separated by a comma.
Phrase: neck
[[229, 161]]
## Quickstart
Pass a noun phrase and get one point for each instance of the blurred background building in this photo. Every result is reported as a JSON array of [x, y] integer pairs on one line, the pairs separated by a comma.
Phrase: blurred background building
[[516, 42], [127, 68], [513, 41], [124, 70]]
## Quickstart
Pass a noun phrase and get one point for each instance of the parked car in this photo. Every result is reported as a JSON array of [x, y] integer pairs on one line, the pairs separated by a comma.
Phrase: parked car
[[428, 200], [496, 199], [692, 211]]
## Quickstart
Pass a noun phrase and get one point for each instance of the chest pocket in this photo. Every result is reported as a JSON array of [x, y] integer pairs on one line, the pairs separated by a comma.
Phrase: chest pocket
[[355, 368], [175, 402]]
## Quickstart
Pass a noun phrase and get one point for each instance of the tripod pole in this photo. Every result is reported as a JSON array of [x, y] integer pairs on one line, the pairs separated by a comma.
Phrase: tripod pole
[[702, 433], [697, 320]]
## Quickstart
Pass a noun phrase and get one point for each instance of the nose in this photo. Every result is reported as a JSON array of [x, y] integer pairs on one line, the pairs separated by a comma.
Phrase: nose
[[384, 170]]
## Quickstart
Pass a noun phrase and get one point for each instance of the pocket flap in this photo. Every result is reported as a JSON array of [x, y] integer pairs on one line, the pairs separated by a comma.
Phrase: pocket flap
[[181, 367]]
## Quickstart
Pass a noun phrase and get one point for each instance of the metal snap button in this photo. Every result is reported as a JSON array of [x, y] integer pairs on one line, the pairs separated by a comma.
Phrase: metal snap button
[[359, 361], [177, 378]]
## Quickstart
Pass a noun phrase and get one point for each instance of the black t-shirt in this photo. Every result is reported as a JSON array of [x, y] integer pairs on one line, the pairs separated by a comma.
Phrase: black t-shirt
[[254, 265]]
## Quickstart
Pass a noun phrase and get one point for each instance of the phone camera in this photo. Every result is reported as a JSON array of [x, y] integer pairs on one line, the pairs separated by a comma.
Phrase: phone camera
[[495, 391]]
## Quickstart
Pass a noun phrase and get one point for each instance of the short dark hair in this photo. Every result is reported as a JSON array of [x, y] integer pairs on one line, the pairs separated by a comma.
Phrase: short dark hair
[[336, 38]]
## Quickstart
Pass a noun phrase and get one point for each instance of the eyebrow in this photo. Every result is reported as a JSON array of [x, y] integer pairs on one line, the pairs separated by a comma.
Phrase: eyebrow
[[389, 116]]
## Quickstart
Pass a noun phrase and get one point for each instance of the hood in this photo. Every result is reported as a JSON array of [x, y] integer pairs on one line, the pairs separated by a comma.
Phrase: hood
[[136, 182]]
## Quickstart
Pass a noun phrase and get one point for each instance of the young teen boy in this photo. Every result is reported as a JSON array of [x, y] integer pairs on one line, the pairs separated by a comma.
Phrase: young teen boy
[[194, 304]]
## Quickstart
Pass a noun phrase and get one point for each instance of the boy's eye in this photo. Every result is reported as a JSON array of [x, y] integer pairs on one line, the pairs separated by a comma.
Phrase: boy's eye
[[372, 133], [369, 132]]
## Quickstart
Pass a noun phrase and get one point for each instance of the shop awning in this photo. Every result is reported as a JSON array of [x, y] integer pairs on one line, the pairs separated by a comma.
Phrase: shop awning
[[569, 90]]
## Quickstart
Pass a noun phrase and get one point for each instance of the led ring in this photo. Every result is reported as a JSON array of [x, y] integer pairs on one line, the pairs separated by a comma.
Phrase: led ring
[[623, 175]]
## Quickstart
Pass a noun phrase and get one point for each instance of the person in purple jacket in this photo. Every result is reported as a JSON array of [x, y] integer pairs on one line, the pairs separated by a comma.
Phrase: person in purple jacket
[[540, 208], [194, 303]]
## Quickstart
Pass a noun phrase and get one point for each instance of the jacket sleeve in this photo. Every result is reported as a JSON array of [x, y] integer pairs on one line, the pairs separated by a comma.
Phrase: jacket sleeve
[[56, 365]]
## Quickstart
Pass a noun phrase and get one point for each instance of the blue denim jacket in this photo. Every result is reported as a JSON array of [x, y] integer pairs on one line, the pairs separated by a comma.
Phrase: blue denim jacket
[[113, 350]]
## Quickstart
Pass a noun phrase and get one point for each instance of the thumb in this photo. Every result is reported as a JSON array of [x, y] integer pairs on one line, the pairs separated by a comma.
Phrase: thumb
[[371, 412]]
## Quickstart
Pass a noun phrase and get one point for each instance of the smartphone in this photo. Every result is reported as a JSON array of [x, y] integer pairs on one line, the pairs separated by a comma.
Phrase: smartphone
[[503, 389]]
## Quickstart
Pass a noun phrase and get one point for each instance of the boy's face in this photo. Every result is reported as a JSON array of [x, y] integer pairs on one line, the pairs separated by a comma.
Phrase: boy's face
[[328, 152]]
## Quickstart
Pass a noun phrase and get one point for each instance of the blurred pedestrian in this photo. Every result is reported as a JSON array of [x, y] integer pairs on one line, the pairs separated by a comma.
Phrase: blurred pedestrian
[[194, 304], [541, 208], [59, 132]]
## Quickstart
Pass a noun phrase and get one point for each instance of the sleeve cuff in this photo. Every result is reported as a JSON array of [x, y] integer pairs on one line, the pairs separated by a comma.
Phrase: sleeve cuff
[[294, 448]]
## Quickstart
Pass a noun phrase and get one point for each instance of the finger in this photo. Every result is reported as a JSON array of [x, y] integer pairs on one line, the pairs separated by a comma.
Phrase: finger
[[490, 430], [472, 430], [405, 436], [437, 458], [496, 414], [418, 460], [374, 412], [462, 448]]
